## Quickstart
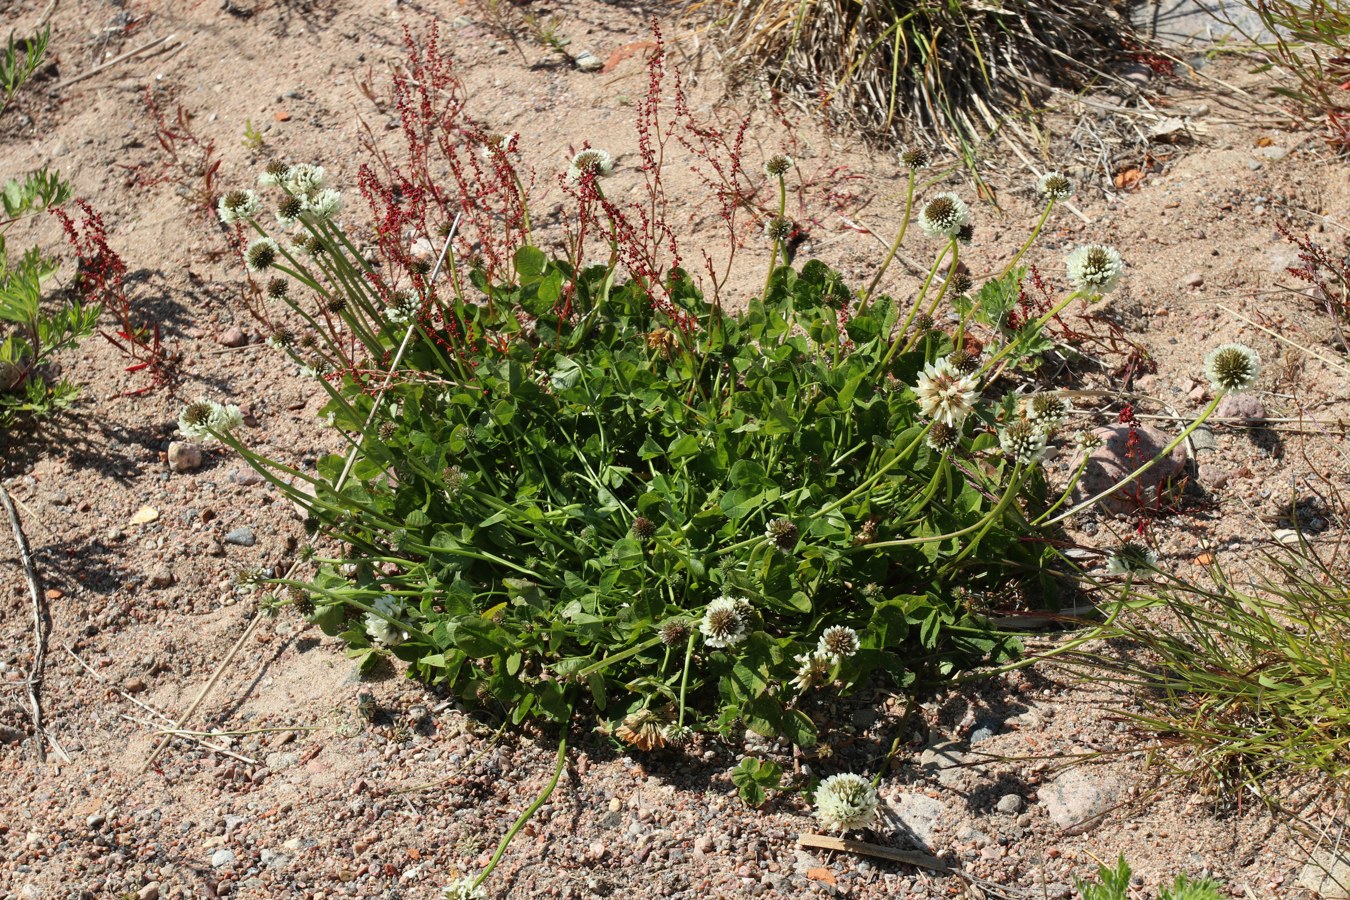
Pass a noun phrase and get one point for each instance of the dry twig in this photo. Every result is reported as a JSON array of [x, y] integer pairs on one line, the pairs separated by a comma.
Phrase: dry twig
[[42, 625]]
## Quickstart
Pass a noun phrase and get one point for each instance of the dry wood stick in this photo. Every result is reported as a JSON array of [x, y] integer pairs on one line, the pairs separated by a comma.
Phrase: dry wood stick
[[908, 857], [41, 625], [117, 59]]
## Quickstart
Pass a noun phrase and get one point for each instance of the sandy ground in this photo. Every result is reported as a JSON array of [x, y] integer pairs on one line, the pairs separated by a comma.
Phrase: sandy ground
[[317, 798]]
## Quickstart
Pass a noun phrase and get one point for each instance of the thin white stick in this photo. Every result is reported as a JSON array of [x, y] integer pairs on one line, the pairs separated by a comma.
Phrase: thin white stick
[[117, 59], [40, 620]]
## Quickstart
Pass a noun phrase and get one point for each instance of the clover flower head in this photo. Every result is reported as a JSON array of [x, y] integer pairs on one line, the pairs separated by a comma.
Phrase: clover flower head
[[1131, 558], [915, 158], [303, 180], [380, 629], [725, 622], [960, 284], [643, 528], [813, 670], [846, 802], [198, 420], [782, 534], [1087, 441], [838, 642], [235, 206], [965, 234], [494, 143], [677, 735], [289, 211], [195, 420], [675, 632], [945, 395], [592, 161], [324, 204], [464, 889], [944, 216], [943, 438], [778, 165], [1054, 186], [1023, 440], [778, 229], [965, 360], [278, 288], [261, 253], [1095, 267], [281, 338], [1232, 367], [274, 175], [1046, 409]]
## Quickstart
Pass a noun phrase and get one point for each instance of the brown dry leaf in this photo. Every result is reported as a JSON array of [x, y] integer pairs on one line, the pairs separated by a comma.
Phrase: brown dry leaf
[[1205, 559], [414, 853], [283, 116], [822, 875], [1264, 141], [1129, 179], [54, 594]]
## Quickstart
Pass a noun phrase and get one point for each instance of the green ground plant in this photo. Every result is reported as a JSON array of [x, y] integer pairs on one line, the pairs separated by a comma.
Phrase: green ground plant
[[575, 486], [31, 335], [1114, 884], [1312, 44]]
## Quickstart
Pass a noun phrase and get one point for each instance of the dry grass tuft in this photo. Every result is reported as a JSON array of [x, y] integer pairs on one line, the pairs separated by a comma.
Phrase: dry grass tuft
[[940, 68]]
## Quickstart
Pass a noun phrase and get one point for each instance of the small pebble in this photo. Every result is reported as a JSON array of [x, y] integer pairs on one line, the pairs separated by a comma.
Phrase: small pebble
[[241, 537], [222, 858], [232, 337]]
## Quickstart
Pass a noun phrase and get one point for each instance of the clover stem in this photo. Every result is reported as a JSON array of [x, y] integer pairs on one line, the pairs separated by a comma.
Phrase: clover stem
[[895, 246], [529, 810]]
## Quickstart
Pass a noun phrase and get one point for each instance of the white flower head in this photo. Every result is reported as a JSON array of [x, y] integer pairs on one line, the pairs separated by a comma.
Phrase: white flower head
[[590, 160], [725, 622], [838, 642], [1055, 186], [945, 395], [464, 889], [1095, 268], [846, 802], [1131, 558], [324, 204], [1048, 410], [198, 420], [237, 206], [303, 179], [380, 628], [778, 165], [261, 253], [944, 216], [813, 670], [274, 175], [1232, 367], [1023, 440]]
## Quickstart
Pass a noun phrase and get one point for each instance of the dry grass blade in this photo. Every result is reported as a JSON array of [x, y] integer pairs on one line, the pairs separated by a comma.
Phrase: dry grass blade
[[42, 625]]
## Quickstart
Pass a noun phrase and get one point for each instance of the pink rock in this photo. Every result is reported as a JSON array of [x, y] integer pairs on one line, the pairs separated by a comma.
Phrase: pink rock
[[232, 337], [1241, 406], [1115, 460]]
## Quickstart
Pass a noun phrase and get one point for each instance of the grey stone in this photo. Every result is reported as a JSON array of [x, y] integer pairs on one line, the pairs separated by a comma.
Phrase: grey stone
[[943, 760], [245, 476], [1202, 439], [1241, 406], [1010, 804], [1194, 280], [161, 577], [1327, 874], [241, 536], [918, 816], [282, 760], [96, 820], [273, 859], [222, 858], [1115, 460], [1078, 799], [149, 892], [1272, 152], [184, 456], [1189, 21]]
